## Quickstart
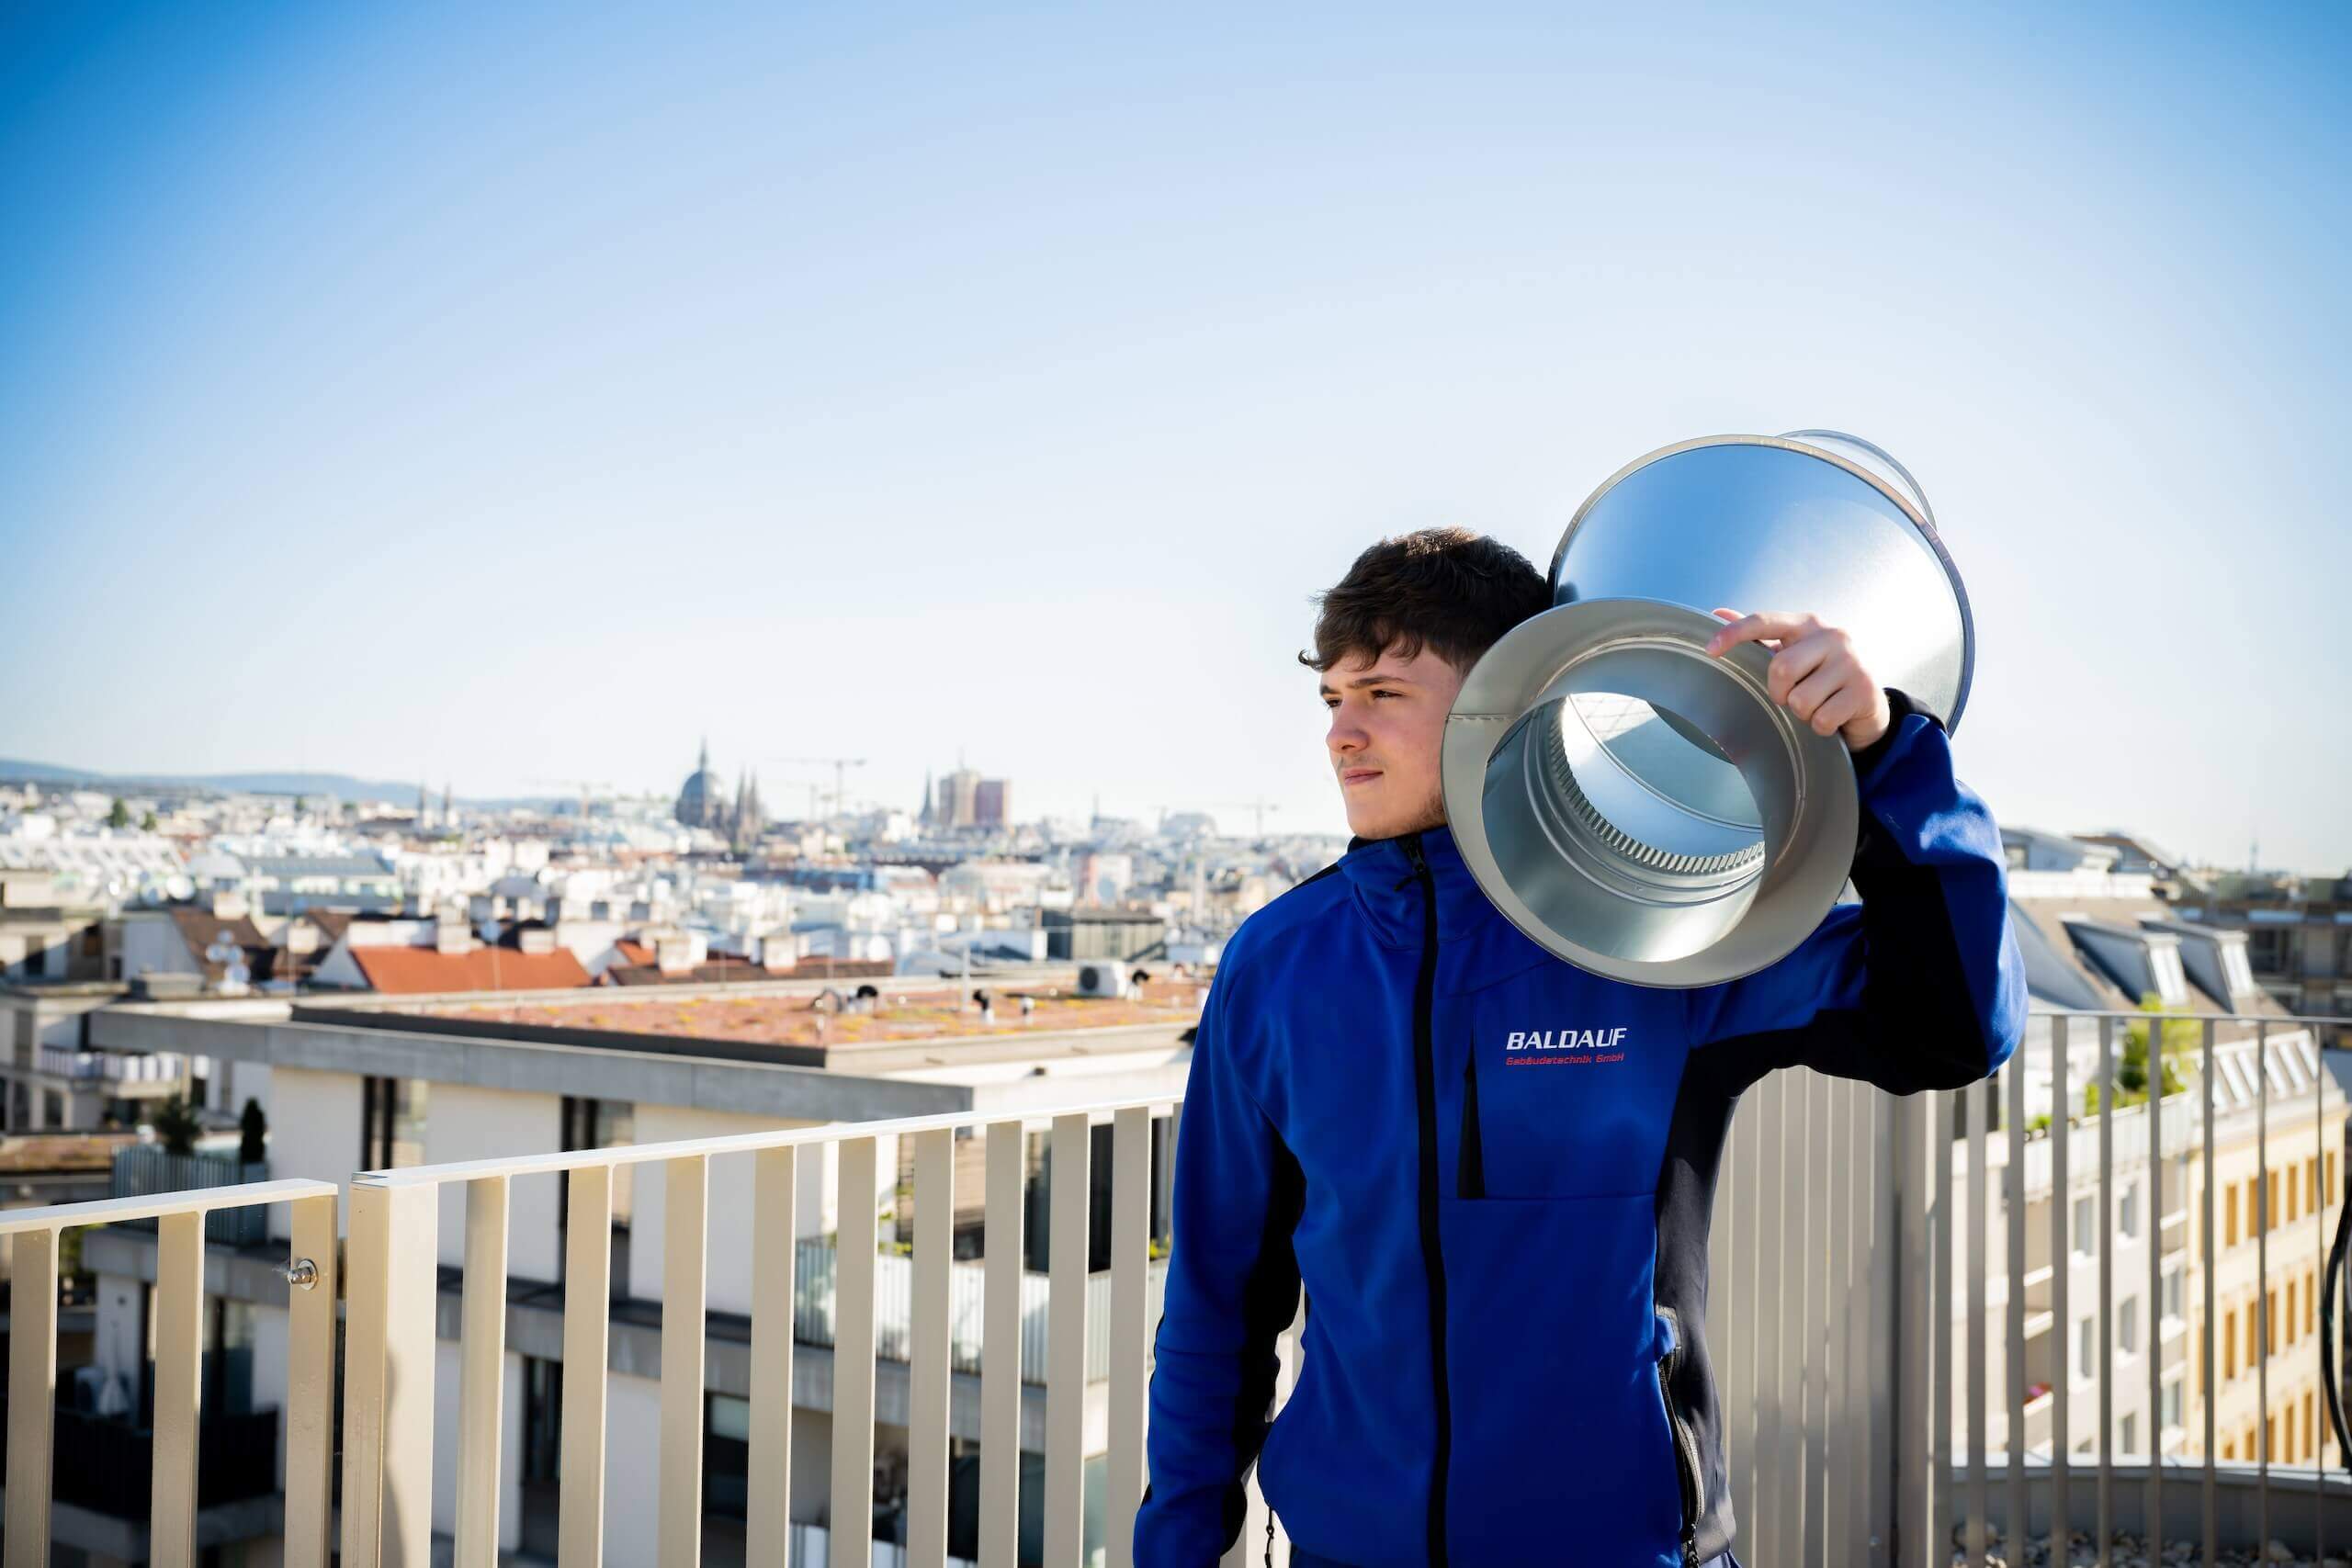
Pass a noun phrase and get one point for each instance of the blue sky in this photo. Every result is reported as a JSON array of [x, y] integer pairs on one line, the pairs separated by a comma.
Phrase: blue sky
[[420, 390]]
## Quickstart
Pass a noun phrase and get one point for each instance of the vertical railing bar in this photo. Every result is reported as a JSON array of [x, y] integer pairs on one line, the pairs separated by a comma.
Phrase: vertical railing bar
[[768, 1523], [1770, 1161], [2152, 1228], [1719, 1286], [1911, 1315], [32, 1394], [1940, 1264], [1894, 1296], [587, 1304], [2317, 1188], [2106, 1290], [2207, 1082], [482, 1375], [686, 1287], [310, 1385], [1794, 1322], [1001, 1349], [1130, 1333], [1066, 1263], [1817, 1316], [2016, 1515], [927, 1373], [2262, 1278], [2061, 1270], [1740, 1413], [858, 1236], [1844, 1329], [1976, 1103], [387, 1376], [179, 1357]]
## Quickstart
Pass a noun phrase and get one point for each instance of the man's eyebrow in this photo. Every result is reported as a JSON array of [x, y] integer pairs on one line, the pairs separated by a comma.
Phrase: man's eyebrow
[[1377, 678]]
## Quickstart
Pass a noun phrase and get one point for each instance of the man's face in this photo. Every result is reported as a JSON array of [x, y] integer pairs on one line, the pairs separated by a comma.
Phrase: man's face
[[1387, 727]]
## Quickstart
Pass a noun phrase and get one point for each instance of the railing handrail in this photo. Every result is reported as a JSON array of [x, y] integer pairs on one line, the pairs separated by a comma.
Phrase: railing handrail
[[743, 1143], [2141, 1015], [192, 1200]]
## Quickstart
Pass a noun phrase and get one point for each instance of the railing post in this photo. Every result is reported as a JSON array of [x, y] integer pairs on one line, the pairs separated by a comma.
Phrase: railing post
[[852, 1539], [310, 1386], [1066, 1337], [774, 1246], [481, 1378], [32, 1394], [387, 1376], [1913, 1450]]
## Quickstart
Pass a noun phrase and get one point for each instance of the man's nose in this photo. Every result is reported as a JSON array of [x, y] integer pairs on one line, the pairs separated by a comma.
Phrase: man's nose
[[1345, 735]]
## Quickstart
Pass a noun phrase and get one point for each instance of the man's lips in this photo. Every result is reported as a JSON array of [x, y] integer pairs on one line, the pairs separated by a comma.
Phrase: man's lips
[[1357, 775]]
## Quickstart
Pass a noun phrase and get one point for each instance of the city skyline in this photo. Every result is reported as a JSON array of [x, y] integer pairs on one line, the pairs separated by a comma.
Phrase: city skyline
[[1011, 382]]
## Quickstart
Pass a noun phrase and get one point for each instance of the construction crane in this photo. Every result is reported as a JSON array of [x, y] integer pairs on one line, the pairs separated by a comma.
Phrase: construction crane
[[840, 766], [1260, 806]]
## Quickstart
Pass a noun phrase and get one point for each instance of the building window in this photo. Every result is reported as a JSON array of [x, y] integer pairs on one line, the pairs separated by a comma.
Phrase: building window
[[2129, 1220], [2171, 1407], [391, 1122], [727, 1456], [2230, 1216], [2172, 1304], [2087, 1347], [2270, 1215], [2310, 1184], [601, 1125], [2291, 1286], [2129, 1434], [2310, 1305], [2085, 1228], [2127, 1326], [2250, 1308], [2310, 1447], [2271, 1321], [2230, 1448], [2335, 1193], [2294, 1200], [2229, 1344]]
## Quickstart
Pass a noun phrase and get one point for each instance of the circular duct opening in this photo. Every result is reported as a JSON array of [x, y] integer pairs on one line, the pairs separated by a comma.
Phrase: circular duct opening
[[1666, 832], [1638, 806]]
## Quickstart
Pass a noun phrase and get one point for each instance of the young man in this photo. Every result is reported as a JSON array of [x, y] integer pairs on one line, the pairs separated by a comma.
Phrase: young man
[[1506, 1270]]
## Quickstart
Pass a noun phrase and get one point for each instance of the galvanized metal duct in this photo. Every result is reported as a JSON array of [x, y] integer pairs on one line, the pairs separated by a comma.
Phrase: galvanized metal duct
[[1642, 809]]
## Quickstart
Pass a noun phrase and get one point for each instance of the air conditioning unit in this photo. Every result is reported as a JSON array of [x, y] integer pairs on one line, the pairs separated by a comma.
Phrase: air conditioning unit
[[1103, 977]]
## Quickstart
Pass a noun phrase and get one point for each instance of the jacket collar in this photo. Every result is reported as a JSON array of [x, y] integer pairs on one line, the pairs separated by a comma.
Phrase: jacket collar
[[1382, 875]]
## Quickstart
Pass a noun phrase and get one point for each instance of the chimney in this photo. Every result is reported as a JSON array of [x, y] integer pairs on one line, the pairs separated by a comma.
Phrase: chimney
[[673, 954], [229, 904], [537, 940], [452, 936], [300, 936]]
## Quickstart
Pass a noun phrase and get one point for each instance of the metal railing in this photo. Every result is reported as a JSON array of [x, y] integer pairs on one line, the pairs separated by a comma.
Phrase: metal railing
[[111, 1066], [2160, 1482], [178, 1431], [390, 1330], [815, 1298], [150, 1171], [1864, 1287]]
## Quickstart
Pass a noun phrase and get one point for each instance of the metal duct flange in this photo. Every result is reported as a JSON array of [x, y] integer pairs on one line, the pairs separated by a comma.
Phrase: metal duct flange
[[1552, 787]]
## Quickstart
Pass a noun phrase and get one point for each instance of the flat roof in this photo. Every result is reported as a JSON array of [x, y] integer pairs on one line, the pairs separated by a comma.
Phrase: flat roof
[[909, 1022]]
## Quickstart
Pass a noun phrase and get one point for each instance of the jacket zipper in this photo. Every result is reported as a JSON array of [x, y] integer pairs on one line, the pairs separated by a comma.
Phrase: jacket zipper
[[1432, 1256], [1470, 1174], [1686, 1452]]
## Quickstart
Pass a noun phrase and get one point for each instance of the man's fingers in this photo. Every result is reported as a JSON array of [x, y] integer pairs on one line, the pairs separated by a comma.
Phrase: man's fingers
[[1794, 663], [1759, 627], [1808, 696]]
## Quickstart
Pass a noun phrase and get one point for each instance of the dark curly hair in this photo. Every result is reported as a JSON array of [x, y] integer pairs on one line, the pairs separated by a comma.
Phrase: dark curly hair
[[1448, 590]]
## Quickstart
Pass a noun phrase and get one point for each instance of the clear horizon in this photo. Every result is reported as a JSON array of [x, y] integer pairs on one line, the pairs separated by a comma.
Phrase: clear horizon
[[515, 397]]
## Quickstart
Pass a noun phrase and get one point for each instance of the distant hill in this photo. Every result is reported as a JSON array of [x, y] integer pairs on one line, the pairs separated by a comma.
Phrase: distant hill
[[343, 786]]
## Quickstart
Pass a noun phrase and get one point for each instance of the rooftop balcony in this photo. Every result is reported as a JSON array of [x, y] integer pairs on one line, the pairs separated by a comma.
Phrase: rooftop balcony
[[1874, 1360]]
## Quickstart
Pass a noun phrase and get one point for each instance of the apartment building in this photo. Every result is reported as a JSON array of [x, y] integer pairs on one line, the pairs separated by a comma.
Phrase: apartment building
[[2096, 940], [372, 1083]]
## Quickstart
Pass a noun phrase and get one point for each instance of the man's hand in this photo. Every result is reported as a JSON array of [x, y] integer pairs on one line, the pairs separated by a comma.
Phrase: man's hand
[[1815, 673]]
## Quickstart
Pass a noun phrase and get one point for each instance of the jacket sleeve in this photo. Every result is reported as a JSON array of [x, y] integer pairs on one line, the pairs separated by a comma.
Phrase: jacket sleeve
[[1918, 987], [1232, 1288]]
